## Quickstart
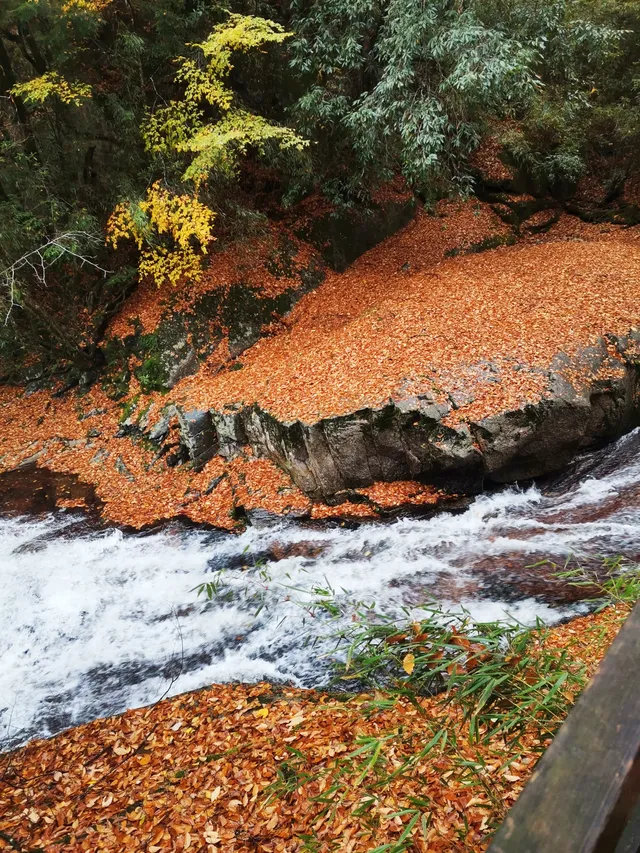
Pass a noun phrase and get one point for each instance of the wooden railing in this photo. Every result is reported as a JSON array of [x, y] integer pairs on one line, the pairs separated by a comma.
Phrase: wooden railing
[[584, 794]]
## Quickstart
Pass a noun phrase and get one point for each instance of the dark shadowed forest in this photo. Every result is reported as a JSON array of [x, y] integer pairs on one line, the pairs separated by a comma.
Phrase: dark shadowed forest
[[139, 137]]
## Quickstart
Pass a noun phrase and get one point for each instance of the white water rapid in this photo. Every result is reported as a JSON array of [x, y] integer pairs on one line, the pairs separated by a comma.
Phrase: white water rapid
[[96, 621]]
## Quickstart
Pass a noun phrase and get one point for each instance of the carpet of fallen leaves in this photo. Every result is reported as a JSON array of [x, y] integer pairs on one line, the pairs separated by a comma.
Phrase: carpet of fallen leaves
[[79, 435], [404, 318], [239, 262], [215, 770], [196, 772]]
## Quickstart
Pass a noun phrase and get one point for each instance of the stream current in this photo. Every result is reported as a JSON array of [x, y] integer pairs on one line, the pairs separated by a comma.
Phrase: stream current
[[94, 620]]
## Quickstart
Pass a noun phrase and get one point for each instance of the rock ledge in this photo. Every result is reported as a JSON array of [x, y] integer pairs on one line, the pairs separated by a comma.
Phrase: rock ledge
[[591, 397]]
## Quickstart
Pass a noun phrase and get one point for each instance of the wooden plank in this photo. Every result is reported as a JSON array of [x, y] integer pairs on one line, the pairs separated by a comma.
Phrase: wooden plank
[[630, 841], [584, 789]]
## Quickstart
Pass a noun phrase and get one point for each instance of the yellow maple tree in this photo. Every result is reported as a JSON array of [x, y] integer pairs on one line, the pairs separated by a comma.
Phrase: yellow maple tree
[[71, 7], [184, 126], [91, 6]]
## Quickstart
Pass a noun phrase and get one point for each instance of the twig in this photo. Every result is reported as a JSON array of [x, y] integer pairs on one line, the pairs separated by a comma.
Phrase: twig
[[38, 263]]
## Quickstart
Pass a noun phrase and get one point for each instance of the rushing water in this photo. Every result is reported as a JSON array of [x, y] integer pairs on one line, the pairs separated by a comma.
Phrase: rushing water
[[94, 620]]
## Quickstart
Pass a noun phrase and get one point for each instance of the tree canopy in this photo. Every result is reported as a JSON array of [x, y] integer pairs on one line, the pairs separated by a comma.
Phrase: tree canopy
[[129, 129]]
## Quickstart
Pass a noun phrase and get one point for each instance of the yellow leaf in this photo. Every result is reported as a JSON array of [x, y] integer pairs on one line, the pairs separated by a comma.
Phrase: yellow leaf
[[273, 822], [261, 712], [408, 664]]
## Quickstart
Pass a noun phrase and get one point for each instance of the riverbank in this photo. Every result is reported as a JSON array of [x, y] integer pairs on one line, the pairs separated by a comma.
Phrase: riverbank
[[256, 768], [458, 349]]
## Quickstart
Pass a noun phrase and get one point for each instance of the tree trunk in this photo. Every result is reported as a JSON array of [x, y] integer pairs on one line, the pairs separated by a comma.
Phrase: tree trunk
[[7, 82]]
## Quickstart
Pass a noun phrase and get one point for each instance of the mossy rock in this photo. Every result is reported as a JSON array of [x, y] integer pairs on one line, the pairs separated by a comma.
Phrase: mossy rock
[[184, 338]]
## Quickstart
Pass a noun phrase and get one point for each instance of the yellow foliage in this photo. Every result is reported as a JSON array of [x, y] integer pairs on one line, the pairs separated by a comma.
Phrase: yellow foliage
[[182, 218], [238, 33], [121, 225], [169, 128], [203, 85], [217, 145], [181, 126], [91, 6], [72, 8], [409, 663], [170, 266], [37, 91]]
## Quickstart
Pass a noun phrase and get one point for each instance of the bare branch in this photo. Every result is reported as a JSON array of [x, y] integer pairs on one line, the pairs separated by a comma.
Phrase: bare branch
[[39, 260]]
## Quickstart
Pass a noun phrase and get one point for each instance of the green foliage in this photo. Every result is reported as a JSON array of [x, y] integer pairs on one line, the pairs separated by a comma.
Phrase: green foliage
[[501, 674], [615, 582], [588, 107], [507, 680], [502, 682], [407, 86], [413, 87], [72, 96], [95, 110], [78, 82]]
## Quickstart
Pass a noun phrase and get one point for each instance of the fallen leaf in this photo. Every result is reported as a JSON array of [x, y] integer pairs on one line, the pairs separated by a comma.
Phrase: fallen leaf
[[408, 663]]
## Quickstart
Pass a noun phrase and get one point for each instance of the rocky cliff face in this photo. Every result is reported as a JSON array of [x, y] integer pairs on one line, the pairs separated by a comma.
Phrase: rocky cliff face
[[591, 397]]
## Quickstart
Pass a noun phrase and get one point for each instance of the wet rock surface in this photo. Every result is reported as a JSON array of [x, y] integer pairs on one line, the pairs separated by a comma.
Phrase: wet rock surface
[[33, 490], [199, 436]]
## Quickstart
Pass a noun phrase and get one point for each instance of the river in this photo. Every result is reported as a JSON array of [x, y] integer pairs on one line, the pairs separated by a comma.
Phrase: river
[[95, 620]]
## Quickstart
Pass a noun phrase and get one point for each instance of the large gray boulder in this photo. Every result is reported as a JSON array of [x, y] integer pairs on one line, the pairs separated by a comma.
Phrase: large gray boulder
[[198, 436], [591, 397]]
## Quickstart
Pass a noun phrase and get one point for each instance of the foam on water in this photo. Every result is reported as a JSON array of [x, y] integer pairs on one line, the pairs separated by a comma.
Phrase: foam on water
[[95, 622]]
